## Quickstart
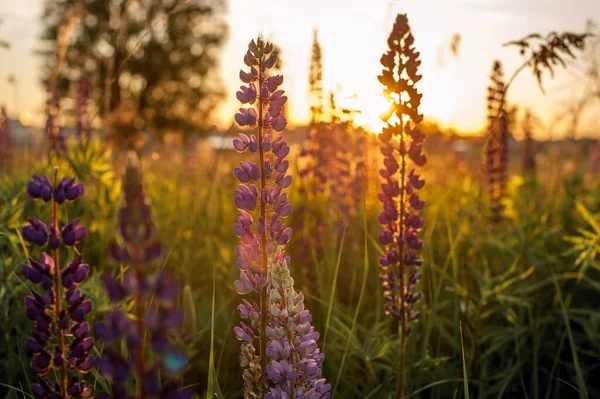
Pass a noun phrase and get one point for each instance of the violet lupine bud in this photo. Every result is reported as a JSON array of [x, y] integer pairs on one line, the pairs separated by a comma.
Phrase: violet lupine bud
[[154, 296], [36, 232], [56, 312], [263, 237], [402, 145], [66, 189], [295, 359], [40, 272], [72, 233], [40, 187]]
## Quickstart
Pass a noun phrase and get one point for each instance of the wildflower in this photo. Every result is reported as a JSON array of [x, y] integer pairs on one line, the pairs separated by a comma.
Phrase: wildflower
[[402, 143], [496, 150], [154, 300], [261, 254], [61, 308], [315, 148], [40, 187]]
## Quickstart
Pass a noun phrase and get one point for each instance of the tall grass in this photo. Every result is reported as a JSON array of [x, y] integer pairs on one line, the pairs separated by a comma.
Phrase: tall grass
[[507, 313]]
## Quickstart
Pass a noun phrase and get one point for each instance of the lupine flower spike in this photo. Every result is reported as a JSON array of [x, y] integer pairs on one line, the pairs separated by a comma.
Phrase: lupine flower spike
[[287, 362], [496, 151], [60, 339], [153, 297], [312, 178], [402, 149], [315, 150]]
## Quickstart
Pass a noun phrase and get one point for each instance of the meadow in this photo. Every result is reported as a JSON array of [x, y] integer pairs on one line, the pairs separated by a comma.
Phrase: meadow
[[508, 275]]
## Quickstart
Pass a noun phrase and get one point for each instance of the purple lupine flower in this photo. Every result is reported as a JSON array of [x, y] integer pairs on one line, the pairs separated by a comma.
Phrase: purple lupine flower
[[496, 150], [402, 144], [263, 236], [40, 272], [153, 295], [66, 189], [36, 232], [72, 233], [40, 187], [332, 164], [312, 172], [60, 336], [295, 359]]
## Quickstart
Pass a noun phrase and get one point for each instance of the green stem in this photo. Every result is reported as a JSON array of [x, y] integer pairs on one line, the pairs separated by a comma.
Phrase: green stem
[[400, 383], [58, 299], [141, 330], [401, 380]]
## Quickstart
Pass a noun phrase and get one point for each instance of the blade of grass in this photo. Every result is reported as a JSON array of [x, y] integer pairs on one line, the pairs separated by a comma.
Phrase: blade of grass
[[17, 390], [580, 380], [212, 383], [333, 287], [464, 363], [360, 299]]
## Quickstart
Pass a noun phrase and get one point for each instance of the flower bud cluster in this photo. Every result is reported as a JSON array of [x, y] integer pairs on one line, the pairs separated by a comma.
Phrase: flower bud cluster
[[402, 144], [153, 296], [61, 308], [295, 359], [263, 235]]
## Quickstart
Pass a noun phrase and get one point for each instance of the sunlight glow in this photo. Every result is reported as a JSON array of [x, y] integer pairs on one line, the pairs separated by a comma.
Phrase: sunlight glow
[[25, 118]]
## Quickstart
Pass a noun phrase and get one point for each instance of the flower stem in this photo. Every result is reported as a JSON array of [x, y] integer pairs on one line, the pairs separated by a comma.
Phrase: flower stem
[[401, 272], [263, 235], [401, 380], [139, 313], [58, 298]]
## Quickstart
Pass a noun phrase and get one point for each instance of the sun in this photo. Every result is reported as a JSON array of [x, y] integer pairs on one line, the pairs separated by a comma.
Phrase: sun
[[442, 96], [25, 118], [372, 109], [441, 101]]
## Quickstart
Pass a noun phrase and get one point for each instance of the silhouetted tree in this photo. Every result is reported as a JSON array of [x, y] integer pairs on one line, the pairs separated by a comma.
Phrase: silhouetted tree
[[158, 56]]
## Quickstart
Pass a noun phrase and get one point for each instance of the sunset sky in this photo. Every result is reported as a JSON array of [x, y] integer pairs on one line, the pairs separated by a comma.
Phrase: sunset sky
[[353, 36]]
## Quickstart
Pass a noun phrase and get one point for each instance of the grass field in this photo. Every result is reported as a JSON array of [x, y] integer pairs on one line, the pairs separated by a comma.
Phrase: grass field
[[508, 311]]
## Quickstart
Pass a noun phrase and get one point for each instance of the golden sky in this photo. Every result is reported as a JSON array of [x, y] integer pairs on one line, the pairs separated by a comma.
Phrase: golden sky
[[353, 36]]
